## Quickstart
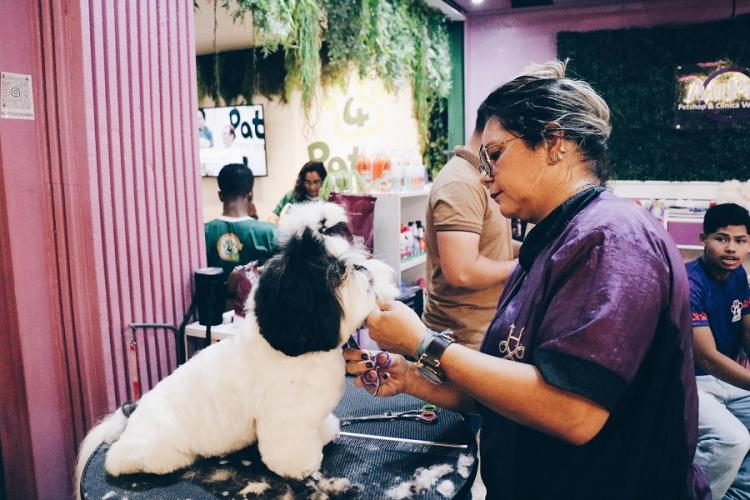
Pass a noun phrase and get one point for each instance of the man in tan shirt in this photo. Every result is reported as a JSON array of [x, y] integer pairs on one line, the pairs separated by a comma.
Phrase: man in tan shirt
[[469, 248]]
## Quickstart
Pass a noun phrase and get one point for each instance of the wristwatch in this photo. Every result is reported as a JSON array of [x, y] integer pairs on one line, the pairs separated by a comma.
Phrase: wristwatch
[[428, 355]]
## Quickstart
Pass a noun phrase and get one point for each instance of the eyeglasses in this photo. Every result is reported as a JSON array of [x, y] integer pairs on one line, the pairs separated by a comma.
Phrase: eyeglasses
[[485, 162]]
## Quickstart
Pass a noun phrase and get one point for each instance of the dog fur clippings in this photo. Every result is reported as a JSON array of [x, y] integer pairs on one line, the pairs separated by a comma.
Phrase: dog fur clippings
[[423, 480], [277, 382], [254, 488]]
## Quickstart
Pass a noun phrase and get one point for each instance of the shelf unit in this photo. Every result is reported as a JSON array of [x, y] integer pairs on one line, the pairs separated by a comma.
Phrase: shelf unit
[[684, 228], [411, 263], [392, 210]]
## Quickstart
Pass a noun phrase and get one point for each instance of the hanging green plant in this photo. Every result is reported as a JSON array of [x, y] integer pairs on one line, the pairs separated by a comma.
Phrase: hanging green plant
[[396, 41], [261, 73], [273, 20], [342, 48], [303, 56], [434, 154]]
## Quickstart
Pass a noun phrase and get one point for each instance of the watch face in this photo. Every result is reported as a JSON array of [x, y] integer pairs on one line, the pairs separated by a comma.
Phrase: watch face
[[430, 374]]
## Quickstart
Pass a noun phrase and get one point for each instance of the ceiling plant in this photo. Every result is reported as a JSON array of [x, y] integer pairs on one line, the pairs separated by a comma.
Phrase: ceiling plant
[[323, 41]]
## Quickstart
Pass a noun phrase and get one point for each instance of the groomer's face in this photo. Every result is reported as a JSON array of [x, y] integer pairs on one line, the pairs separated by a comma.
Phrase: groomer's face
[[727, 247], [515, 172]]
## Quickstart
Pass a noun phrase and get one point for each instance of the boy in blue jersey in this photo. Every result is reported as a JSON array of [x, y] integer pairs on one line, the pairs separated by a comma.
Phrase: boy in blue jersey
[[720, 308]]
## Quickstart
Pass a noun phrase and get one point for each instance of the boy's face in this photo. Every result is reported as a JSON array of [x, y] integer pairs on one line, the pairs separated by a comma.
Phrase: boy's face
[[727, 247]]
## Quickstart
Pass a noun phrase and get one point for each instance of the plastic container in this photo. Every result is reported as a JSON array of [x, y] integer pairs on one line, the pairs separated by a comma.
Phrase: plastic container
[[343, 181]]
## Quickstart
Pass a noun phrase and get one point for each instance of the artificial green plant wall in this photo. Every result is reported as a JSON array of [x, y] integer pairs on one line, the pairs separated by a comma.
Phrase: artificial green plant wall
[[307, 43], [634, 70]]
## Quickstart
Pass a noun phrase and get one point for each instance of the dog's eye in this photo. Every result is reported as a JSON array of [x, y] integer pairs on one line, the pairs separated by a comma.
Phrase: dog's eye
[[363, 269]]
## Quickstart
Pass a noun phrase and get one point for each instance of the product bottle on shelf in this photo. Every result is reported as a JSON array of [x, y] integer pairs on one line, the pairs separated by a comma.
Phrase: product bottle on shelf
[[415, 247], [408, 242], [415, 173], [385, 176], [422, 240], [397, 172], [409, 176], [377, 169], [364, 168]]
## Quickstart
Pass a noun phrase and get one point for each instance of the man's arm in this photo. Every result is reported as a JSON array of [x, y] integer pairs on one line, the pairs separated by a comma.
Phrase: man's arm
[[746, 333], [716, 363], [464, 267]]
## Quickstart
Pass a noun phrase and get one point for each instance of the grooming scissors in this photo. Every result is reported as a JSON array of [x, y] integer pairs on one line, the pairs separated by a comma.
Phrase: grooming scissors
[[427, 414], [382, 360]]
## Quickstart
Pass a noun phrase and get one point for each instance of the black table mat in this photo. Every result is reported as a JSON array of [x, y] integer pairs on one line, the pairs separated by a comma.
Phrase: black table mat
[[371, 465]]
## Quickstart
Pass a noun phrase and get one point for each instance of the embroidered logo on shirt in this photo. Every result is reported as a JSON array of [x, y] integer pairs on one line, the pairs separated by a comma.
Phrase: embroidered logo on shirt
[[229, 246], [511, 347], [736, 310]]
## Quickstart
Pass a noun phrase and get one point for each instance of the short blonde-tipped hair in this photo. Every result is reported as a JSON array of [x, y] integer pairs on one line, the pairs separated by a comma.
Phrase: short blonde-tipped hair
[[541, 95]]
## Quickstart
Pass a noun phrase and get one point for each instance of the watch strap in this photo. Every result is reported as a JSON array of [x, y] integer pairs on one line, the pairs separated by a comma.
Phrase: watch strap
[[439, 342], [430, 350]]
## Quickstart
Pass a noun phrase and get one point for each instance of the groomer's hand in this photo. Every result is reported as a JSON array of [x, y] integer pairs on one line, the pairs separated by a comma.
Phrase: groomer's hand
[[389, 381], [396, 328]]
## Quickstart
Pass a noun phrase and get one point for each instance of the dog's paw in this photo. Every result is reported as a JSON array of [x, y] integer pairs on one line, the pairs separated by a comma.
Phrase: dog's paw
[[295, 467], [127, 457], [330, 428], [296, 461]]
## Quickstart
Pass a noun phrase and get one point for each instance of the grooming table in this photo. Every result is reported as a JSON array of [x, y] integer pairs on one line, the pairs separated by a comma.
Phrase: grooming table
[[373, 456]]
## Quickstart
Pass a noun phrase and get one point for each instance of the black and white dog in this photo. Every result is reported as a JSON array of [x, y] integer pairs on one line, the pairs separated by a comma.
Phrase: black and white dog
[[278, 381]]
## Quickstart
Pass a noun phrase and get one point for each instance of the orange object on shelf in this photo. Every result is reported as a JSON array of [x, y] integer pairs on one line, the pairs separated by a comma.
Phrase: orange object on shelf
[[364, 169], [378, 166]]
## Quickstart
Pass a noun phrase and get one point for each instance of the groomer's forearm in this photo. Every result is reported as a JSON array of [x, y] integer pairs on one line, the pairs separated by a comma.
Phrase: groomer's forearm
[[518, 392], [445, 396]]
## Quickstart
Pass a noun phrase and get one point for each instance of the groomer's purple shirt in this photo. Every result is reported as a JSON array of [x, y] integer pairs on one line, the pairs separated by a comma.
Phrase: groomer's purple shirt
[[604, 313]]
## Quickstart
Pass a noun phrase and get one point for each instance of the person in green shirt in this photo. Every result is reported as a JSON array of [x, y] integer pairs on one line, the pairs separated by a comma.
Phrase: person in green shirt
[[236, 238], [307, 188]]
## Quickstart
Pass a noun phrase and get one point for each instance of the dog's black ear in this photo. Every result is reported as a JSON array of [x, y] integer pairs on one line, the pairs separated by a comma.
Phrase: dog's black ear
[[295, 302], [341, 229]]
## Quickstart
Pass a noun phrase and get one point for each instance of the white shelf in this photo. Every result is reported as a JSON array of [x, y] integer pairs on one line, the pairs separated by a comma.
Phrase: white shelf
[[416, 261], [218, 332], [403, 194], [392, 210]]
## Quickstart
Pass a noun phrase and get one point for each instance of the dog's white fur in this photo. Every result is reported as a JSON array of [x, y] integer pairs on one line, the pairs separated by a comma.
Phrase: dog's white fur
[[241, 390]]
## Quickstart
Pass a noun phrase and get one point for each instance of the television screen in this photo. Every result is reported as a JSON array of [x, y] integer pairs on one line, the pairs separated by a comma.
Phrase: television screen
[[232, 134]]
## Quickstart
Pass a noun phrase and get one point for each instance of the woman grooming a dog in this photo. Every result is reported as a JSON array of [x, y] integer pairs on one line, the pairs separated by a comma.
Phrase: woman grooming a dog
[[584, 379]]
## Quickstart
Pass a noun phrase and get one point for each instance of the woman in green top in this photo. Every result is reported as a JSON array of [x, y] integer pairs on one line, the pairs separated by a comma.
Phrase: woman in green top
[[307, 188]]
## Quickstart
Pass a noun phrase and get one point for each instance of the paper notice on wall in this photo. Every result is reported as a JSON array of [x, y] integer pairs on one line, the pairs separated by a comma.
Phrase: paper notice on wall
[[16, 99]]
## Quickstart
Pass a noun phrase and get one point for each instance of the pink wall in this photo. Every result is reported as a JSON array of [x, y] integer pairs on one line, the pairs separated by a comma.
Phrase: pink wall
[[498, 46], [36, 390], [99, 218]]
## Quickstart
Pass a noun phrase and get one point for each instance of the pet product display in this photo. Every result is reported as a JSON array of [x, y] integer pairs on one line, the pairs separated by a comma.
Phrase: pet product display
[[413, 243]]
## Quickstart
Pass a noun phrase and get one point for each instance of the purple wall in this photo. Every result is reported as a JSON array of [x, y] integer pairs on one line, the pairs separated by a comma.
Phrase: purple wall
[[100, 222], [497, 47]]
